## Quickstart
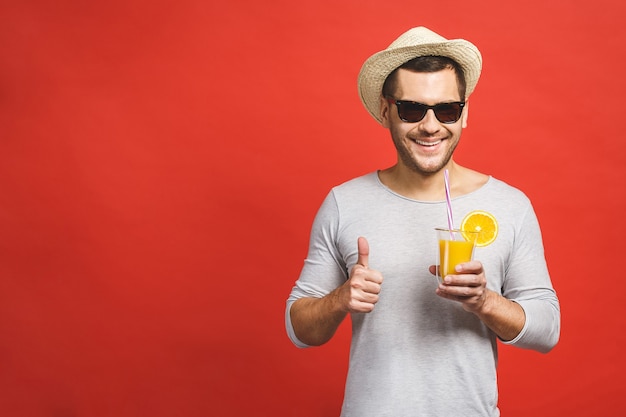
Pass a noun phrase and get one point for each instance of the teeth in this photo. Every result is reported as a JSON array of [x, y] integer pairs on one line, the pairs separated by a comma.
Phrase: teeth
[[419, 142]]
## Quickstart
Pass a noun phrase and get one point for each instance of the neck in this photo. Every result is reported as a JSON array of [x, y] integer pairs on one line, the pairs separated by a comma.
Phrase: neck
[[430, 187]]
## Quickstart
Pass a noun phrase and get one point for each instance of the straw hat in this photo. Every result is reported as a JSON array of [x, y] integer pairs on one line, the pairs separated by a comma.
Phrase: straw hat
[[415, 42]]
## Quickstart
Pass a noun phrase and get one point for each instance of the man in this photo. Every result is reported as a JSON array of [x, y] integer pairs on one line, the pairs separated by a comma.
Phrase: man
[[422, 347]]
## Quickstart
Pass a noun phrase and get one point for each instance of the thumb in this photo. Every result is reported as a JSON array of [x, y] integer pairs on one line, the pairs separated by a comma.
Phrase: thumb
[[364, 252]]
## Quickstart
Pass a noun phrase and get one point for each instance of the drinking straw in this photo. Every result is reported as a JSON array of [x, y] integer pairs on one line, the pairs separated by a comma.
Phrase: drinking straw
[[446, 181]]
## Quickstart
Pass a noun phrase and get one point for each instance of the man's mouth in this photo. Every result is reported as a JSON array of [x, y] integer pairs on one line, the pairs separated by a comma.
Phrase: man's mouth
[[424, 143]]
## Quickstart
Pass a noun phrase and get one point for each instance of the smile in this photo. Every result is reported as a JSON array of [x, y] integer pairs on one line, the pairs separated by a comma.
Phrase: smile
[[422, 143]]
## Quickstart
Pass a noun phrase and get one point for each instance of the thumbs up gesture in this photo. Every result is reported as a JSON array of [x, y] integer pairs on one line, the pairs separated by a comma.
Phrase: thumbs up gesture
[[360, 293]]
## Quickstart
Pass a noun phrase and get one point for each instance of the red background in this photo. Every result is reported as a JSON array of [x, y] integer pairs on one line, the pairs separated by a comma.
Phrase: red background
[[161, 164]]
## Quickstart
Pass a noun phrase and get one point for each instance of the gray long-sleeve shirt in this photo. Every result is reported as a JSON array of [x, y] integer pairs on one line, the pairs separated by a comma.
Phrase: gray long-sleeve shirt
[[416, 353]]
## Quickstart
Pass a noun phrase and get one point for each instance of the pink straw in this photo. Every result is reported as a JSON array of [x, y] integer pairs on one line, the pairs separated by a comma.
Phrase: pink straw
[[449, 204]]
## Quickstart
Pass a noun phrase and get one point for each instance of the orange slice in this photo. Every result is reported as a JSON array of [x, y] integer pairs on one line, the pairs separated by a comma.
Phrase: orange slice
[[482, 222]]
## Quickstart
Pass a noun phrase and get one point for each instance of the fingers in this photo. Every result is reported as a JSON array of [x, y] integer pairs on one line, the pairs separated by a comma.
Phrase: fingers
[[364, 252], [465, 280], [364, 284], [364, 294], [472, 268], [468, 286], [472, 297]]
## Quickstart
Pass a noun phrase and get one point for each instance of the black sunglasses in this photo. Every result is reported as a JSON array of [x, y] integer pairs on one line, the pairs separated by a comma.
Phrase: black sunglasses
[[412, 111]]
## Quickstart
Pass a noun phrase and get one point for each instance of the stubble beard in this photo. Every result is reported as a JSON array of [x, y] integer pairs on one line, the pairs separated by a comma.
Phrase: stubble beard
[[433, 166]]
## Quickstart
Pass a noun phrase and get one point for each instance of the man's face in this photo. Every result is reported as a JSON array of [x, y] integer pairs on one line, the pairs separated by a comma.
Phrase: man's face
[[426, 146]]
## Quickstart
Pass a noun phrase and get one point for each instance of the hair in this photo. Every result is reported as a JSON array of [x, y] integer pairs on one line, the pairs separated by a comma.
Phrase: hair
[[427, 64]]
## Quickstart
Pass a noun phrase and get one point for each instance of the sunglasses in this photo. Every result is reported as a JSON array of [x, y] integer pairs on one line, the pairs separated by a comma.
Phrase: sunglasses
[[412, 111]]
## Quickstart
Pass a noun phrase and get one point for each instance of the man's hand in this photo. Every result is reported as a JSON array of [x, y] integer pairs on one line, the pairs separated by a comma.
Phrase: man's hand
[[315, 320], [360, 293], [468, 286]]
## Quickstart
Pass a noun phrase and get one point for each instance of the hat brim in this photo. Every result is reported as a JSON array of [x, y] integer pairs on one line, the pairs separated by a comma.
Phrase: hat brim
[[378, 67]]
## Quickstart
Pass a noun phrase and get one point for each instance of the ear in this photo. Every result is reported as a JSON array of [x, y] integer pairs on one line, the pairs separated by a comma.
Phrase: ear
[[385, 112], [464, 115]]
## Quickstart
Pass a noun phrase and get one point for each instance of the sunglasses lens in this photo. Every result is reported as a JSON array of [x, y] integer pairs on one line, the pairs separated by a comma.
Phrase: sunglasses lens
[[448, 112], [411, 112]]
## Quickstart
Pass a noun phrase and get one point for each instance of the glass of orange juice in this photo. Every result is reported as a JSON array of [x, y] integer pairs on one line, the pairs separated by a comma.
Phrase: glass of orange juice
[[455, 247]]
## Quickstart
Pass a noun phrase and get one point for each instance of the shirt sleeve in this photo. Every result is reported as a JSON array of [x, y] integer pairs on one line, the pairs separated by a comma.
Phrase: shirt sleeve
[[324, 268], [528, 283]]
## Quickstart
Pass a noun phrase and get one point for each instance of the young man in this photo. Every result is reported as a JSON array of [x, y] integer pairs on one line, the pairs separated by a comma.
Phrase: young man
[[419, 346]]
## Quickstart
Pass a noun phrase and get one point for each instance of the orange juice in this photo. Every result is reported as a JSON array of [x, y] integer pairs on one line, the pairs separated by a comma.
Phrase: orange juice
[[452, 253]]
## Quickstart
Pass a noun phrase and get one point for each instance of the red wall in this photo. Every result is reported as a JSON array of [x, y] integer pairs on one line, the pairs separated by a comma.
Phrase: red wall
[[161, 163]]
